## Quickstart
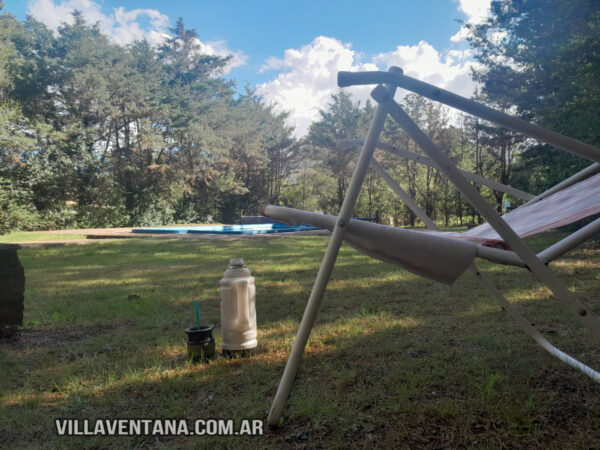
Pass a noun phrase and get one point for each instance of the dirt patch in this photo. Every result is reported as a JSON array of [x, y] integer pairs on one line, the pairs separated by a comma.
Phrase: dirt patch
[[55, 337]]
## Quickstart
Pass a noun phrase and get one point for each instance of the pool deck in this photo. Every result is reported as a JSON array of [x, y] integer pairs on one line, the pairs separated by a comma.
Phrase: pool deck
[[93, 234]]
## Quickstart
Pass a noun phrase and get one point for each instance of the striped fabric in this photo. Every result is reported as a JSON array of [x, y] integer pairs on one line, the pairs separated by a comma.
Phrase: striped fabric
[[564, 207]]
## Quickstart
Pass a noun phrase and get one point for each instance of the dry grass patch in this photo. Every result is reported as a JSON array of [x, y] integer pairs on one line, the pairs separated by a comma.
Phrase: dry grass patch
[[394, 360]]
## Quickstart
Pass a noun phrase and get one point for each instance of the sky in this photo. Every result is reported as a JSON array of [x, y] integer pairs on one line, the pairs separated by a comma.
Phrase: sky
[[290, 51]]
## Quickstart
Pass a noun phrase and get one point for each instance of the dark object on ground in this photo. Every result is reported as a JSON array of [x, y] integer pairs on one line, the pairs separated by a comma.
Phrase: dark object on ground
[[201, 343], [234, 354], [12, 289]]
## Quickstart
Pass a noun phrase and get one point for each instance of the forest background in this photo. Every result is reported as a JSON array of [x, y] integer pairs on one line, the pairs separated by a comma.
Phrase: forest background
[[93, 134]]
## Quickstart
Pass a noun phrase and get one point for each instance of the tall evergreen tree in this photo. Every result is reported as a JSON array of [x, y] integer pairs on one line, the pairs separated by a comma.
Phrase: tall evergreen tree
[[342, 120], [541, 55]]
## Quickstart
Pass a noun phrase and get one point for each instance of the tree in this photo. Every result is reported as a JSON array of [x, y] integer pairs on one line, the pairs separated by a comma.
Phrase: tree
[[96, 134], [342, 120], [16, 135], [404, 169], [541, 56]]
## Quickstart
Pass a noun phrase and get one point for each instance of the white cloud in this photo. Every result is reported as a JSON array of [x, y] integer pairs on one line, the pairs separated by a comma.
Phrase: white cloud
[[53, 15], [127, 29], [309, 79], [309, 74], [448, 71], [219, 48], [273, 63], [122, 26], [476, 11]]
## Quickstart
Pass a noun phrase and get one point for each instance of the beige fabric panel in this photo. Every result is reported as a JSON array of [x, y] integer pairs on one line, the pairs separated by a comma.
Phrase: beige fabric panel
[[439, 258]]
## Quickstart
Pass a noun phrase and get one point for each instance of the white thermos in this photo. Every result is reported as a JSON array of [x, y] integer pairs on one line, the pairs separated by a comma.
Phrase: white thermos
[[238, 311]]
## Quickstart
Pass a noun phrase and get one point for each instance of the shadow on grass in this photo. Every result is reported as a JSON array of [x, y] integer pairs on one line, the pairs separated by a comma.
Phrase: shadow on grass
[[394, 360], [371, 379]]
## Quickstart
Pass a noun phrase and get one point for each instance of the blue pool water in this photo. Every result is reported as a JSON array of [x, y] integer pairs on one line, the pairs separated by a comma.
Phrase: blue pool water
[[261, 228]]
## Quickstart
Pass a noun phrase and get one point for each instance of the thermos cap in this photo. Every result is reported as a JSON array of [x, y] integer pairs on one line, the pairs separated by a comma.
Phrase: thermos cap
[[236, 263]]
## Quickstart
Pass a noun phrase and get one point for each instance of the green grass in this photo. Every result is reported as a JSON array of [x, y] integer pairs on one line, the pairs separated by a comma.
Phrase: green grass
[[33, 236], [394, 360]]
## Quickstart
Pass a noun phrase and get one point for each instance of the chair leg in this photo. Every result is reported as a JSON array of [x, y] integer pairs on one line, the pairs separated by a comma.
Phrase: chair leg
[[335, 242], [571, 301], [310, 314], [549, 254], [526, 326]]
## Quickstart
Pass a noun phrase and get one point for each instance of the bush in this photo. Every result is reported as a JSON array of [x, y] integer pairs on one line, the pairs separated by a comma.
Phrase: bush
[[16, 210]]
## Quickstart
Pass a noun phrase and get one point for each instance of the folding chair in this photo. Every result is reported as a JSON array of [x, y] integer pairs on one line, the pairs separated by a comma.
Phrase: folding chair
[[445, 256]]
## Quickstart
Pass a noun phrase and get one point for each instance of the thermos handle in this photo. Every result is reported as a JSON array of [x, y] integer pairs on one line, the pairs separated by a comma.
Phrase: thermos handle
[[236, 314], [243, 306]]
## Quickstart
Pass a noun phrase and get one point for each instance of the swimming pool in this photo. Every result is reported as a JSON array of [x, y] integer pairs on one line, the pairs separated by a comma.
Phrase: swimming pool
[[259, 228]]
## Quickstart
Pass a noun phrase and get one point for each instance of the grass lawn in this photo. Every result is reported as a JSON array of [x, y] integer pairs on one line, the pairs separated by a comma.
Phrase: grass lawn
[[394, 360], [32, 236]]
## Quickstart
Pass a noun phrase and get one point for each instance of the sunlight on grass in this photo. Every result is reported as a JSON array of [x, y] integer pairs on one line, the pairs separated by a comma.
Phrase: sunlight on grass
[[37, 236], [576, 264], [541, 293], [105, 324]]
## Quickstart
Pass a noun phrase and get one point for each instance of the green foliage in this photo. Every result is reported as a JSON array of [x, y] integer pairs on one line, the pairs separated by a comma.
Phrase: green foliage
[[541, 56], [342, 120], [93, 134], [394, 361], [320, 181], [541, 167], [102, 135], [16, 213]]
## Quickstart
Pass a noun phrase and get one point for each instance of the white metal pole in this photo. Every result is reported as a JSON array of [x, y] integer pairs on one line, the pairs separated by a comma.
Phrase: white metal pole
[[464, 104], [573, 303], [468, 175], [570, 242], [530, 329], [335, 241], [584, 173], [492, 254], [525, 325], [402, 194]]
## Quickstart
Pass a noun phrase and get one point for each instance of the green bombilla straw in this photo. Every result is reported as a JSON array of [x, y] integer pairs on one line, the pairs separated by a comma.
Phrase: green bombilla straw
[[197, 314]]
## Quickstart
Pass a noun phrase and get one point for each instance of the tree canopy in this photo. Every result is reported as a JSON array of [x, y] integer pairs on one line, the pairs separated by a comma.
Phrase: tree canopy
[[97, 134], [542, 56]]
